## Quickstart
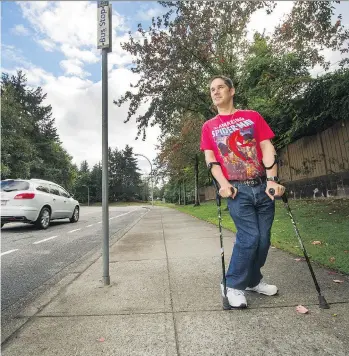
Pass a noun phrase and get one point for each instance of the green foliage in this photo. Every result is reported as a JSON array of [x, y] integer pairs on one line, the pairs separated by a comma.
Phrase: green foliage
[[324, 102], [310, 28], [124, 178], [30, 144]]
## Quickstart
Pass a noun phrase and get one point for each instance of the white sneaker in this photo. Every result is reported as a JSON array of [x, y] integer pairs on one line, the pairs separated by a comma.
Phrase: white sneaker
[[264, 288], [235, 297]]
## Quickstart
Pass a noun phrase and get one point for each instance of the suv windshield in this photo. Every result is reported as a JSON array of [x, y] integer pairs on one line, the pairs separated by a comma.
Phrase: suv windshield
[[13, 185]]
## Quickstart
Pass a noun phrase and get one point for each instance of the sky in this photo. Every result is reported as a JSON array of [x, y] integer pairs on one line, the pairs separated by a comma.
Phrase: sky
[[55, 44]]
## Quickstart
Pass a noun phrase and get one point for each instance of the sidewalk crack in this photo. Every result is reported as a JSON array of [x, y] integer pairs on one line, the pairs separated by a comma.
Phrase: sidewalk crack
[[170, 289]]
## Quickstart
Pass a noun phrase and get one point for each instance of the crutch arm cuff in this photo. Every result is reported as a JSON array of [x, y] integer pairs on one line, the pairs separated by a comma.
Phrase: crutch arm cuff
[[211, 164], [276, 161]]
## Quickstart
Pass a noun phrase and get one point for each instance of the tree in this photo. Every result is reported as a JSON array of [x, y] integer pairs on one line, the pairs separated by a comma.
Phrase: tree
[[30, 144], [324, 102], [309, 28], [270, 81], [124, 176], [96, 183], [175, 58], [18, 151], [181, 150]]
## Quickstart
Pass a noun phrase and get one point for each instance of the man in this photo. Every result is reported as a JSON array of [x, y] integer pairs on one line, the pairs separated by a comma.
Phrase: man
[[239, 140]]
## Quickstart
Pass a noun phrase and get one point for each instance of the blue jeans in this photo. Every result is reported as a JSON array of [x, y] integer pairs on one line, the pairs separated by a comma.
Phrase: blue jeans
[[253, 213]]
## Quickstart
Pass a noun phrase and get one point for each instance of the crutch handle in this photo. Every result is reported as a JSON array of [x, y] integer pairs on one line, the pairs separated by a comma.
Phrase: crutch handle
[[283, 197]]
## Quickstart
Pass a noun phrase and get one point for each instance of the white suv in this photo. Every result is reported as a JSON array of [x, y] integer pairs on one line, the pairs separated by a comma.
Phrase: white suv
[[36, 201]]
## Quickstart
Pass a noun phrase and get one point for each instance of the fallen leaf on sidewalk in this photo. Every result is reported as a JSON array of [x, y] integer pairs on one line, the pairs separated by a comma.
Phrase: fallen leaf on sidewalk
[[316, 243], [332, 272], [334, 314], [302, 310], [338, 281], [101, 339], [299, 259]]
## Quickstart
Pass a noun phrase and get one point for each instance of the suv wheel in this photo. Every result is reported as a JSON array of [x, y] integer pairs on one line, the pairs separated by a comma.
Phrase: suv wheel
[[75, 216], [44, 218]]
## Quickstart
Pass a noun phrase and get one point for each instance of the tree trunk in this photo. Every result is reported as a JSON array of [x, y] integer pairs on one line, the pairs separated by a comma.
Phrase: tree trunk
[[179, 191], [184, 194], [197, 199]]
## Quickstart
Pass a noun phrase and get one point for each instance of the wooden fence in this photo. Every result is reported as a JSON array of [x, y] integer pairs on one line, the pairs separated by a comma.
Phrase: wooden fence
[[314, 156]]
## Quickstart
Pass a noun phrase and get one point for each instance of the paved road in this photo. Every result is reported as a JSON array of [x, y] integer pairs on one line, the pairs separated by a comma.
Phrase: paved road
[[30, 257]]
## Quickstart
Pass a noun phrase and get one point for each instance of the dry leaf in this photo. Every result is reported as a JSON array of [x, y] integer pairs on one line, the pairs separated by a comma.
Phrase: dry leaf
[[299, 259], [331, 272], [334, 314], [302, 310], [101, 339], [338, 281], [316, 243], [346, 251], [332, 259]]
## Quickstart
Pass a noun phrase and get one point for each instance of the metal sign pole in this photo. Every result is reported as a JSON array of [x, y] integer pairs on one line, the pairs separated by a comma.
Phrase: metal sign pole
[[104, 43]]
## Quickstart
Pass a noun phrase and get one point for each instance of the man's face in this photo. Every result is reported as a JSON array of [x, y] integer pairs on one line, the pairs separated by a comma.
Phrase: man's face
[[220, 92]]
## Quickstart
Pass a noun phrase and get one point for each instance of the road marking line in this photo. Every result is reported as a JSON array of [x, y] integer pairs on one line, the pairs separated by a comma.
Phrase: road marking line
[[69, 232], [118, 216], [89, 225], [7, 252], [49, 238]]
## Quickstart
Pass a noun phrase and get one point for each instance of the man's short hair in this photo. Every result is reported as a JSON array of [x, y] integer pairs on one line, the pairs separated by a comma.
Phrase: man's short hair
[[226, 80]]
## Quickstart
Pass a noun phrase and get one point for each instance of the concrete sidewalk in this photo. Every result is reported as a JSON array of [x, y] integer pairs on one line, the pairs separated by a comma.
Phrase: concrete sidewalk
[[164, 299]]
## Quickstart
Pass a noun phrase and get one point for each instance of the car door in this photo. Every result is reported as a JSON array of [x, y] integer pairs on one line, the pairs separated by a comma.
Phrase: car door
[[68, 207], [57, 203], [43, 196]]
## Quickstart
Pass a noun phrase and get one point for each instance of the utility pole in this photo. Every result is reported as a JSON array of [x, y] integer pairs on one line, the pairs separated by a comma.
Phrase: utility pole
[[104, 42]]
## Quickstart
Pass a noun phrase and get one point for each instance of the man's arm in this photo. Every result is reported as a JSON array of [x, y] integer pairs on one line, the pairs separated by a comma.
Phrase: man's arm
[[269, 153], [225, 186]]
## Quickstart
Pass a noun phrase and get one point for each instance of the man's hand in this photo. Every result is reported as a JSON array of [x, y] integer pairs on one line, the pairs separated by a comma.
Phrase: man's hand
[[228, 191], [279, 189]]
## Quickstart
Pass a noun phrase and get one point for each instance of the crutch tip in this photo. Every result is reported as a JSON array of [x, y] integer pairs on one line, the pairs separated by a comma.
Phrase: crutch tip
[[226, 305], [323, 303]]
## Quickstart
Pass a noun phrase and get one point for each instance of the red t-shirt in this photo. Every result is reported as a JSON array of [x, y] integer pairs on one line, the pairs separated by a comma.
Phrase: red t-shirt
[[235, 140]]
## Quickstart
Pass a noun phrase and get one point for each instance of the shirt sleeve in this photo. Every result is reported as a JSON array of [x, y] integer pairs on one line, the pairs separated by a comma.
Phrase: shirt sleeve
[[264, 132], [206, 143]]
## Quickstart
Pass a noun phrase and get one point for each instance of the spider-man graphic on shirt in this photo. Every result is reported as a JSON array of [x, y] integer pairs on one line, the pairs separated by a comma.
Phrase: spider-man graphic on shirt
[[235, 141]]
